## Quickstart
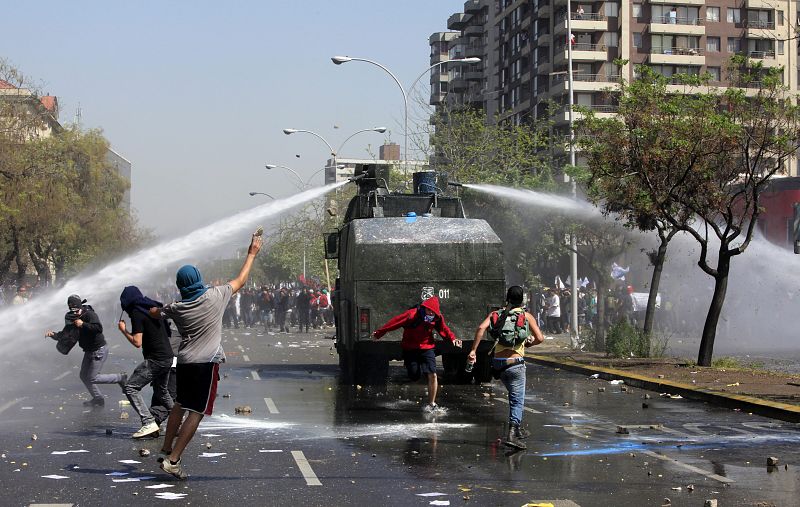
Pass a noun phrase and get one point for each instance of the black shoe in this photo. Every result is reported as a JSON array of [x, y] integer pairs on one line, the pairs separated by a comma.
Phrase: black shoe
[[95, 402], [522, 433], [514, 441]]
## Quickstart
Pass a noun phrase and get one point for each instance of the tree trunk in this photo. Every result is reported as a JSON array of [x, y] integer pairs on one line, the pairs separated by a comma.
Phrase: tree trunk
[[655, 281], [5, 265], [714, 311], [59, 265], [40, 263], [22, 266]]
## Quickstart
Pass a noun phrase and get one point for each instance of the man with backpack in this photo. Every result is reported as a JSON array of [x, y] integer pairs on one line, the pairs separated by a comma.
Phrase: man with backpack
[[514, 329], [419, 323]]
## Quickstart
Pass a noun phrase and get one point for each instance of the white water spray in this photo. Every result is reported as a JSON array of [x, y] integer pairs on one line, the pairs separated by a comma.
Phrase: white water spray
[[534, 198], [19, 322]]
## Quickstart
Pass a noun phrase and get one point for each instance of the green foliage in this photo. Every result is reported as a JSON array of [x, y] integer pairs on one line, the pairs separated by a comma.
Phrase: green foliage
[[624, 340], [727, 362]]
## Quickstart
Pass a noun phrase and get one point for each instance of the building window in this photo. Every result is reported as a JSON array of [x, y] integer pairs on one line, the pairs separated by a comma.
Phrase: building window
[[715, 73], [637, 40], [734, 16], [637, 11], [780, 47], [612, 39], [734, 45], [612, 9], [712, 44], [779, 16], [712, 14]]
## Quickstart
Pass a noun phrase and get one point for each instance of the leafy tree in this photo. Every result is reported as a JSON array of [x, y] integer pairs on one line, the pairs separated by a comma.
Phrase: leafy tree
[[699, 161]]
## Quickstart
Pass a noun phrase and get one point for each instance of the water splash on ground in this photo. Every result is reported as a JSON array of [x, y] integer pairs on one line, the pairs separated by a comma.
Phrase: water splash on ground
[[23, 323]]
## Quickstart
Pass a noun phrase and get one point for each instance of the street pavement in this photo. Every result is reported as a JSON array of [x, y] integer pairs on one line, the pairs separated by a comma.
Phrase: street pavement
[[310, 441]]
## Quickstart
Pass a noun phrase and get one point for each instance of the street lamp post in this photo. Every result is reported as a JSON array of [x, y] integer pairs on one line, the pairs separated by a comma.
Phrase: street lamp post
[[261, 193], [573, 240], [338, 60], [302, 185]]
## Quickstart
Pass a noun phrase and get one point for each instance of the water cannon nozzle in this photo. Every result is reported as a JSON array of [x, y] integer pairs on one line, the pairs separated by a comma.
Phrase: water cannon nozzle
[[356, 178], [455, 184]]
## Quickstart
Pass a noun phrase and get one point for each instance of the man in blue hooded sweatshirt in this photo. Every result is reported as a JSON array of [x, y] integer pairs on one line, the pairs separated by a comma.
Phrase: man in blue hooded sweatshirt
[[152, 336], [198, 317]]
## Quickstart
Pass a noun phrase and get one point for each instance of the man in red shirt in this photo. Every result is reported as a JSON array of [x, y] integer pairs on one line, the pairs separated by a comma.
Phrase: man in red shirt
[[418, 324]]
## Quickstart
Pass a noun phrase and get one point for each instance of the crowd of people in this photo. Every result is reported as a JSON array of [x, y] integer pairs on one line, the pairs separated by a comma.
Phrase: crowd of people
[[281, 307]]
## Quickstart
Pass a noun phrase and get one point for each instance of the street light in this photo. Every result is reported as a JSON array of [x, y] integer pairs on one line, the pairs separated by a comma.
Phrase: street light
[[573, 240], [261, 193], [338, 60], [303, 184]]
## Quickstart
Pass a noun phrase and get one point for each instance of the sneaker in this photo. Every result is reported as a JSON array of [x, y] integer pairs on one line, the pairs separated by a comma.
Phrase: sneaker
[[95, 402], [162, 455], [433, 408], [149, 430], [173, 469]]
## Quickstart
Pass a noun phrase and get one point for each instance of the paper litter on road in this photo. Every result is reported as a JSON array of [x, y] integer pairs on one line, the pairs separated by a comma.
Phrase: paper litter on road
[[55, 477], [440, 502], [431, 494], [160, 486], [170, 496], [134, 479], [211, 454], [210, 435], [596, 375], [26, 408], [616, 382], [67, 452], [129, 461], [270, 450], [117, 474]]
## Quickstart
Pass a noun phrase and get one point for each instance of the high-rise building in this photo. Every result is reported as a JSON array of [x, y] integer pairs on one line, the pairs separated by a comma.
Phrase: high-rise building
[[523, 45]]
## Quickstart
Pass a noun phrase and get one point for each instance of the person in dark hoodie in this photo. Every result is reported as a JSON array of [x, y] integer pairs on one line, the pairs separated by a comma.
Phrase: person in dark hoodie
[[152, 336], [95, 351], [418, 345]]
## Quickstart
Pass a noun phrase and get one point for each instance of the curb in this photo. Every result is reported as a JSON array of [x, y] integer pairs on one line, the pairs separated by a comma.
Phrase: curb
[[766, 408]]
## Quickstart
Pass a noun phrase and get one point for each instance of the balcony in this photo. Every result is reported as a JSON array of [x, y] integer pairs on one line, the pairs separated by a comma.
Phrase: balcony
[[473, 75], [474, 49], [583, 82], [757, 29], [600, 111], [680, 26], [677, 56], [581, 52], [458, 83], [766, 58], [473, 31], [760, 4], [544, 39], [472, 6], [542, 9], [439, 57], [457, 21], [586, 22], [677, 2]]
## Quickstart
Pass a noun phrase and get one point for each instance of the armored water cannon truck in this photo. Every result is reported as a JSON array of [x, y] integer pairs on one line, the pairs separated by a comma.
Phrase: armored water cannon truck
[[396, 249]]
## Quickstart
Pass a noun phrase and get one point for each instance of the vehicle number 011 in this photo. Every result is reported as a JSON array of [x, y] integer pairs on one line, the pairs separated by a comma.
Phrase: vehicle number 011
[[444, 293]]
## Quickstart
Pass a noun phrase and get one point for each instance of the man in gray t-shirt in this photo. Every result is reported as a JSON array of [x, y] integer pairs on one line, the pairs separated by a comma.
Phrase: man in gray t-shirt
[[198, 317]]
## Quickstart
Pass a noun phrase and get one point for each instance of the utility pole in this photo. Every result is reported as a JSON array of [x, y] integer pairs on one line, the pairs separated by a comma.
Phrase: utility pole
[[573, 241]]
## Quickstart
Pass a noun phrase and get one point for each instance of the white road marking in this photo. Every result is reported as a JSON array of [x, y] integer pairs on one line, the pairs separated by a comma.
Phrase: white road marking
[[271, 406], [305, 469], [51, 505], [114, 346], [63, 375], [691, 468], [9, 404], [246, 357], [526, 409], [255, 375]]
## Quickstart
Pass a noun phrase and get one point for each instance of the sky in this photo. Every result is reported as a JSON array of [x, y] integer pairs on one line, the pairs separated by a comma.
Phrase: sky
[[196, 94]]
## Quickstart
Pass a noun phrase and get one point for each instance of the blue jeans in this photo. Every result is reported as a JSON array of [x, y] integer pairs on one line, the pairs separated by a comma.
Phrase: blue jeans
[[514, 380], [149, 371], [90, 371]]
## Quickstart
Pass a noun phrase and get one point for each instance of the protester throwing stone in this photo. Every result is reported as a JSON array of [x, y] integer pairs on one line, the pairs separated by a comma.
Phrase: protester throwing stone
[[198, 317], [82, 317], [514, 329], [152, 336]]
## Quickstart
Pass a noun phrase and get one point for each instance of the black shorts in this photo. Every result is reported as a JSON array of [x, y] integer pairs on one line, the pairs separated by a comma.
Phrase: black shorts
[[197, 386], [419, 362]]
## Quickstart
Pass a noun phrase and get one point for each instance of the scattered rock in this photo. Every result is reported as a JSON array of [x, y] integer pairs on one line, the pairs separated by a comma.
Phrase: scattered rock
[[676, 488], [208, 445], [710, 503], [109, 431], [374, 455], [486, 395], [566, 404], [226, 395], [772, 461], [243, 410], [144, 452], [690, 487], [622, 430], [123, 415], [601, 389], [645, 405], [666, 503], [661, 376], [34, 437]]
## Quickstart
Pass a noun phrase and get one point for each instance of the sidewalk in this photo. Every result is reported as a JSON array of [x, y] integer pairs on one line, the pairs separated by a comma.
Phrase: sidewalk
[[771, 394]]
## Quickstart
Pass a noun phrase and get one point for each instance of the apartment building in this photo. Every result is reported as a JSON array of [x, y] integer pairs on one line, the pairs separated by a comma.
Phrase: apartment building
[[524, 49]]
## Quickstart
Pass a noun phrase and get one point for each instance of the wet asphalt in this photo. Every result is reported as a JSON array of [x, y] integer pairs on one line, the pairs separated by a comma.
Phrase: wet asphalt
[[310, 441]]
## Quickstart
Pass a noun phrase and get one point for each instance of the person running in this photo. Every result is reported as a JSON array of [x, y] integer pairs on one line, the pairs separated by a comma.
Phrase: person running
[[514, 329], [198, 317], [418, 325], [152, 336], [95, 351]]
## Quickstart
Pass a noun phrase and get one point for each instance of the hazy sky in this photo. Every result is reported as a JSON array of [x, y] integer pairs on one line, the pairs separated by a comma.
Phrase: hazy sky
[[195, 93]]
